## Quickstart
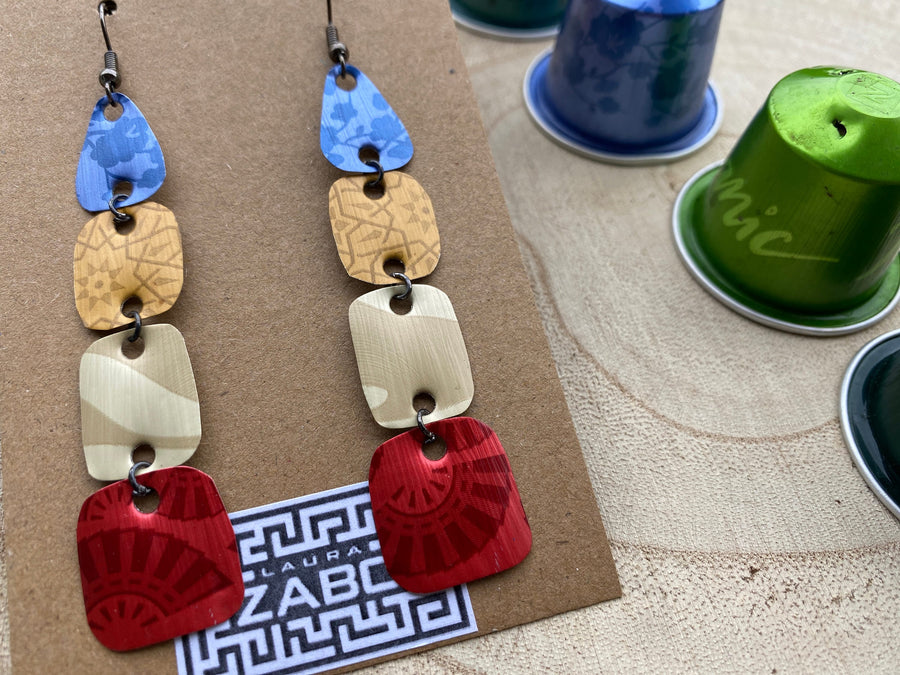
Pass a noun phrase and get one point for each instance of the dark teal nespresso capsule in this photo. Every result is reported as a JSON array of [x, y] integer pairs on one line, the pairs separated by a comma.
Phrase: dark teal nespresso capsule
[[523, 19], [628, 80], [870, 416], [799, 229]]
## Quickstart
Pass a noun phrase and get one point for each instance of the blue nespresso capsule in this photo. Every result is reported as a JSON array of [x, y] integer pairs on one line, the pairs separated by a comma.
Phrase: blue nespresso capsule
[[628, 80]]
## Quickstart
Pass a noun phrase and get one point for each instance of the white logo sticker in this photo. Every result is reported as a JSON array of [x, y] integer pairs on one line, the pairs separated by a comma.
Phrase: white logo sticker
[[317, 595]]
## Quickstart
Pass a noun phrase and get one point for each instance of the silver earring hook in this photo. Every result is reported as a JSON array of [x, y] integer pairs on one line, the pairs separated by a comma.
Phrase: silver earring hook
[[337, 50], [106, 8], [109, 76]]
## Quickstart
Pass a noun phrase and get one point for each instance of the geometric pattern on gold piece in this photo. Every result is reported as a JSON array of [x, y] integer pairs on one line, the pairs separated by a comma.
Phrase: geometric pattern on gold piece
[[368, 232], [110, 267], [401, 356], [127, 402]]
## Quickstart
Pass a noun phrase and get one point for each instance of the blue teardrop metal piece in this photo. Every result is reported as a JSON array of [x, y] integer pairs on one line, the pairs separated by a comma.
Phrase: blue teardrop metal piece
[[121, 151], [352, 120]]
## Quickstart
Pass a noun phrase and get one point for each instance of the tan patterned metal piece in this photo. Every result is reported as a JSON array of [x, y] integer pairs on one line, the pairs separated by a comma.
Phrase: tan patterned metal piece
[[399, 225], [401, 356], [111, 268], [125, 402]]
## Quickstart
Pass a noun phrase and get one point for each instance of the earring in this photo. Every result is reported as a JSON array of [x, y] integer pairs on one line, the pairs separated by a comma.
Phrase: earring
[[445, 520], [153, 574]]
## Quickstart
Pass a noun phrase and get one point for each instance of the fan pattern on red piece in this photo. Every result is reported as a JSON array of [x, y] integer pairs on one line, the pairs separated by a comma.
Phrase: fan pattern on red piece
[[150, 577], [448, 521]]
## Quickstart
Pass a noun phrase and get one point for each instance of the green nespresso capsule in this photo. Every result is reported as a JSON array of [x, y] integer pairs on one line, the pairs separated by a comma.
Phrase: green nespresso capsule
[[799, 228], [870, 416]]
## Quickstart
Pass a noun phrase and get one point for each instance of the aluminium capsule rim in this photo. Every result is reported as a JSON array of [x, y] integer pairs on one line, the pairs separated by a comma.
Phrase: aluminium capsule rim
[[467, 20], [559, 131], [868, 313]]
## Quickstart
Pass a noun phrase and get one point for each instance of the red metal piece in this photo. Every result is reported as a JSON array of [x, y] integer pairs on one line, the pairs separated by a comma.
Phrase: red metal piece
[[448, 521], [150, 577]]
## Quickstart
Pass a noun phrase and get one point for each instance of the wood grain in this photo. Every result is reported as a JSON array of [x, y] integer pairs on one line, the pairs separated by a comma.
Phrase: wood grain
[[110, 267], [127, 402], [400, 225], [401, 356]]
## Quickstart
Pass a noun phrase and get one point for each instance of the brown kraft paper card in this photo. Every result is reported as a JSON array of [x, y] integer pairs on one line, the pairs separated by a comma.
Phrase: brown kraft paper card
[[233, 93]]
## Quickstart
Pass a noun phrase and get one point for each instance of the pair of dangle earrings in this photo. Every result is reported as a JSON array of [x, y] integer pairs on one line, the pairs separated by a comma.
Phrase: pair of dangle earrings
[[154, 574]]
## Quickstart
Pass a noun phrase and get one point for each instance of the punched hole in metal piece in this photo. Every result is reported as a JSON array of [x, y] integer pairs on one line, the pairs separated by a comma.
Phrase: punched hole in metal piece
[[374, 190], [402, 301], [132, 304], [147, 503], [435, 450], [374, 187], [143, 453], [841, 129], [433, 446], [393, 266], [145, 499], [112, 112], [424, 401], [133, 344], [401, 307], [368, 153], [346, 82], [123, 187], [132, 349], [124, 227]]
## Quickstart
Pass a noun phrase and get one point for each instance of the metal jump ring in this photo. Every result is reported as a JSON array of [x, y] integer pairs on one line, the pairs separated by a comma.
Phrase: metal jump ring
[[109, 94], [407, 282], [343, 62], [118, 216], [430, 436], [377, 181], [137, 324], [138, 490]]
